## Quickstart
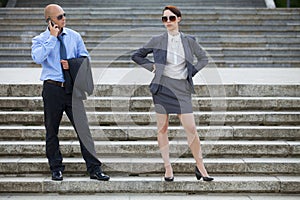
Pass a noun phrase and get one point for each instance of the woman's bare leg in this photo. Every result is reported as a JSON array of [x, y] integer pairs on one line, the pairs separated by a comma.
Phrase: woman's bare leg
[[188, 123], [163, 142]]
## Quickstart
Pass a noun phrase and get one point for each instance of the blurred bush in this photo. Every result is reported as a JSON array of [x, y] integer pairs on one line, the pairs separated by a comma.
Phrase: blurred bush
[[282, 3]]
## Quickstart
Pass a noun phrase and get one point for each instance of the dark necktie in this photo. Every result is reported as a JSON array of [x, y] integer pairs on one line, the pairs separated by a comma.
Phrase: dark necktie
[[63, 51], [63, 56]]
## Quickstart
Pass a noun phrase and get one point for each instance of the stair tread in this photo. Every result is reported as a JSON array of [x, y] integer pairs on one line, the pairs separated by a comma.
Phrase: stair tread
[[219, 178], [246, 112], [172, 142], [129, 133], [153, 184], [172, 127], [133, 160], [15, 98], [167, 196]]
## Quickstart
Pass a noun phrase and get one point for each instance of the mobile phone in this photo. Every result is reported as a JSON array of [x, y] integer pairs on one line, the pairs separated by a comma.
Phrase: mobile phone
[[49, 19]]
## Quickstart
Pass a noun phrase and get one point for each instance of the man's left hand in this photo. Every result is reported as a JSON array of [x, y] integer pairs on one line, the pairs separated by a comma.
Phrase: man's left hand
[[65, 64]]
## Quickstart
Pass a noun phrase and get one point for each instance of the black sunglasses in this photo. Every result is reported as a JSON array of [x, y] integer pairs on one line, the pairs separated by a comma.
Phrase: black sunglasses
[[172, 18], [59, 17]]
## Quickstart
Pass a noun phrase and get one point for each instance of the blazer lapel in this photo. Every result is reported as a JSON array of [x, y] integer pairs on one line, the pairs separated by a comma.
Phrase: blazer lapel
[[164, 47], [187, 50]]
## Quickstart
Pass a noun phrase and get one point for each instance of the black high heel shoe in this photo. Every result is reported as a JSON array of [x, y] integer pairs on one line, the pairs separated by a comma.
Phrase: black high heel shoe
[[169, 179], [199, 175]]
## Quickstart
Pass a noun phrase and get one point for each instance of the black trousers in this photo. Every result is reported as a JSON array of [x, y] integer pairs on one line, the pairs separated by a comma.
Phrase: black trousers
[[56, 101]]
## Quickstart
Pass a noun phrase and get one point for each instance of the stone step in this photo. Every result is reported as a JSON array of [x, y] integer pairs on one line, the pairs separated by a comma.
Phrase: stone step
[[145, 103], [135, 36], [94, 44], [99, 37], [20, 56], [126, 48], [155, 11], [131, 82], [235, 49], [266, 50], [132, 133], [126, 89], [184, 27], [146, 118], [150, 149], [155, 20], [262, 17], [119, 41], [21, 166], [135, 19], [113, 45], [123, 55], [129, 64], [259, 3], [149, 196], [127, 12], [218, 57], [138, 40], [158, 6], [201, 33], [111, 20], [155, 184]]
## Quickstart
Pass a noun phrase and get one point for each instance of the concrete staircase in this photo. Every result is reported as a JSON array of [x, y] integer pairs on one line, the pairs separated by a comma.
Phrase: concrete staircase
[[246, 107], [233, 37], [144, 4], [249, 130]]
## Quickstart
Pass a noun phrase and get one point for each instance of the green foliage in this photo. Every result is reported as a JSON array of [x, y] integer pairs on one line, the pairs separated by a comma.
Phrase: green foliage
[[3, 3], [282, 3]]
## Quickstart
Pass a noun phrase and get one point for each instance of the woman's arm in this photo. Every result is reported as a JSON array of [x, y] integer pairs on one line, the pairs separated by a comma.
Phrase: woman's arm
[[139, 56], [200, 53]]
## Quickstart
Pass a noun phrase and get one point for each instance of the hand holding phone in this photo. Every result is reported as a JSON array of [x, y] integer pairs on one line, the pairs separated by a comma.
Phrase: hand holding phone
[[49, 19], [53, 28]]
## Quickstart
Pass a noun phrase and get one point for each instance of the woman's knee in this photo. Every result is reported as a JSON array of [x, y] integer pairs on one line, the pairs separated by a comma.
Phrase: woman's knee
[[191, 129], [163, 129]]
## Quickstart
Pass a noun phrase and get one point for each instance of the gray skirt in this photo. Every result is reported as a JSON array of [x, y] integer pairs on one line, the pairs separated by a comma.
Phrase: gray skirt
[[173, 96]]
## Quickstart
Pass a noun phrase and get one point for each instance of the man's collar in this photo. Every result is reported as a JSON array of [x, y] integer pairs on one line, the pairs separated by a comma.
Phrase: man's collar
[[64, 32]]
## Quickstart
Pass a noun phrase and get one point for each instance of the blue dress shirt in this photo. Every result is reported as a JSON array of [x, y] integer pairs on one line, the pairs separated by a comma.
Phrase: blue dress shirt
[[45, 50]]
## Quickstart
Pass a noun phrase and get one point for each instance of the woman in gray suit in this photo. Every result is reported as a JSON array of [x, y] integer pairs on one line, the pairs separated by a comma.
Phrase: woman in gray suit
[[172, 85]]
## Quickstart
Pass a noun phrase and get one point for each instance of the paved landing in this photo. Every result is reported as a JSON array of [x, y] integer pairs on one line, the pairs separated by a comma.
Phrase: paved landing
[[153, 196], [211, 75]]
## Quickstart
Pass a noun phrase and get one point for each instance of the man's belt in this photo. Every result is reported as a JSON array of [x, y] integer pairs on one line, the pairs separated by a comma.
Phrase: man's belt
[[57, 83]]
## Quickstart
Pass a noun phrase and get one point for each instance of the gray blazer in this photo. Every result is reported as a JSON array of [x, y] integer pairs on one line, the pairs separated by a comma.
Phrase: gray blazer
[[81, 75], [158, 46]]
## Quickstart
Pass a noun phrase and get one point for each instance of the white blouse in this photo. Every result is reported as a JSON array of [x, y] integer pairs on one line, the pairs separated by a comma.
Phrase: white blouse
[[175, 66]]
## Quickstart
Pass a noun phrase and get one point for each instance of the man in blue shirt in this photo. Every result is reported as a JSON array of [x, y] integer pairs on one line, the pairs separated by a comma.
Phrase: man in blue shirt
[[52, 49]]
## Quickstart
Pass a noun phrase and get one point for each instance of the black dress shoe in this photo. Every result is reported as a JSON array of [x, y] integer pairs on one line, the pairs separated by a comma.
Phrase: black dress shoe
[[169, 179], [199, 175], [57, 176], [100, 176]]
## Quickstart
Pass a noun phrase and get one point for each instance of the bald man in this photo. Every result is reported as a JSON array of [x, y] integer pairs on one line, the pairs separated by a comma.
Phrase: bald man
[[52, 49]]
